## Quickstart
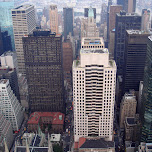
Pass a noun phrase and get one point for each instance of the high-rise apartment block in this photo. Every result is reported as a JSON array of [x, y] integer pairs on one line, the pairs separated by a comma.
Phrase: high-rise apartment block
[[6, 19], [147, 96], [6, 133], [44, 71], [135, 57], [53, 18], [145, 22], [94, 77], [24, 22], [88, 25], [9, 105], [68, 21], [127, 107], [124, 21]]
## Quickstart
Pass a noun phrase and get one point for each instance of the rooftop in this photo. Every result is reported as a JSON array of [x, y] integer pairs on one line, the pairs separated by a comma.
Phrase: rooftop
[[32, 149], [97, 143], [130, 121], [94, 50], [58, 117], [23, 7], [137, 32], [55, 137], [92, 41]]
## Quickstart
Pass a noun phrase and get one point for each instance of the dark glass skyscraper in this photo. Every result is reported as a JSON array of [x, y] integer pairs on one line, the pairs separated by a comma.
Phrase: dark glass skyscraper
[[124, 21], [68, 21], [43, 64], [135, 56], [147, 96]]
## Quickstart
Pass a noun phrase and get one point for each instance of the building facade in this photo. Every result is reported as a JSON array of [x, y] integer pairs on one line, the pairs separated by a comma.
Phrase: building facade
[[54, 18], [94, 77], [146, 96], [9, 105], [68, 21], [24, 22], [124, 21], [145, 22], [6, 133], [88, 25], [135, 57], [127, 108], [43, 62]]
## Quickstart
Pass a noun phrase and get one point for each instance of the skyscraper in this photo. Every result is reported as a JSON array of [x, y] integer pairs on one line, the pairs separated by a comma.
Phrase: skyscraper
[[147, 96], [1, 43], [94, 77], [68, 21], [54, 18], [127, 107], [88, 25], [24, 22], [128, 5], [124, 21], [135, 57], [6, 19], [9, 105], [145, 22], [103, 17], [113, 10], [44, 72]]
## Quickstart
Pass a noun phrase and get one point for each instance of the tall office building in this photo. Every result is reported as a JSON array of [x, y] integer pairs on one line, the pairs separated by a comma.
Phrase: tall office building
[[1, 43], [113, 10], [94, 77], [68, 21], [88, 25], [103, 17], [109, 4], [128, 5], [147, 96], [9, 105], [44, 72], [124, 21], [6, 133], [6, 40], [67, 60], [53, 18], [6, 19], [145, 22], [135, 57], [127, 108], [24, 22]]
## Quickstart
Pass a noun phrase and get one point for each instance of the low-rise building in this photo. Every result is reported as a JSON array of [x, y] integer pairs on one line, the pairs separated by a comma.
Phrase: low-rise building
[[94, 145], [53, 120]]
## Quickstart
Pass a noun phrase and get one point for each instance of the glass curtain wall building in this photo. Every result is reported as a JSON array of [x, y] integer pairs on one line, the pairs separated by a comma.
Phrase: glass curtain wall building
[[6, 19]]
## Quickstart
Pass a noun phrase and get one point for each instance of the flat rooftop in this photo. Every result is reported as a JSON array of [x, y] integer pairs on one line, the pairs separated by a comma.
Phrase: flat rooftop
[[130, 121], [94, 50], [23, 7], [92, 41], [137, 32]]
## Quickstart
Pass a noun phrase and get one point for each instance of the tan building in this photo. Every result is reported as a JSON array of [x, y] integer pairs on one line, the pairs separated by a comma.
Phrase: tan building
[[53, 18], [113, 10], [67, 60], [127, 107], [88, 25], [111, 45], [132, 129]]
